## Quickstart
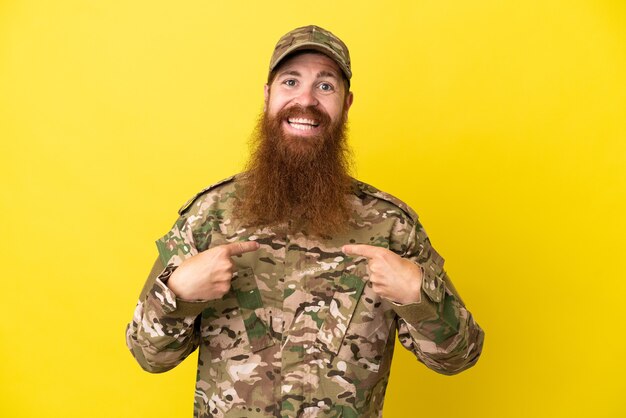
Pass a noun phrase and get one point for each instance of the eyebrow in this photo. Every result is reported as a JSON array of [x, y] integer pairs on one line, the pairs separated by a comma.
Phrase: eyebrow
[[327, 74], [321, 74]]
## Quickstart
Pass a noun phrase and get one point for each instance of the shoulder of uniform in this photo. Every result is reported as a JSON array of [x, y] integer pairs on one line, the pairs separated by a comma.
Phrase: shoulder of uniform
[[205, 190], [364, 188]]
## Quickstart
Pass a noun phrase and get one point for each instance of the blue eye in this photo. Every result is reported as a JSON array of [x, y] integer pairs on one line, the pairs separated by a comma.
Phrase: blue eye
[[327, 87]]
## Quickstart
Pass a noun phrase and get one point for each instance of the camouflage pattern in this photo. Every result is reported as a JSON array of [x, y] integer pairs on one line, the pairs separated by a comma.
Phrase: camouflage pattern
[[315, 38], [301, 333]]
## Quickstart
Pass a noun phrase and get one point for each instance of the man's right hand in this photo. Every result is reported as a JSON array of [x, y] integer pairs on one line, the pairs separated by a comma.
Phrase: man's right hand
[[207, 275]]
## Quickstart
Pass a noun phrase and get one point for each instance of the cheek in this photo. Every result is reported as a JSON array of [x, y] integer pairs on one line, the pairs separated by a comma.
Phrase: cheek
[[335, 111], [275, 104]]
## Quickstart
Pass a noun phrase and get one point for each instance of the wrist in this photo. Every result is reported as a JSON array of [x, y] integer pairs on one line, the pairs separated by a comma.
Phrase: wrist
[[177, 284], [413, 293]]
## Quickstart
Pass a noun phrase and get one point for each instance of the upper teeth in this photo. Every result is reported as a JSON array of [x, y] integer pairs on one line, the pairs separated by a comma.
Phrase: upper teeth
[[302, 120]]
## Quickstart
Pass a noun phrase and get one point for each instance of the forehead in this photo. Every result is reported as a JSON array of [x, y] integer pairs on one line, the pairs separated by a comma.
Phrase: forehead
[[311, 61]]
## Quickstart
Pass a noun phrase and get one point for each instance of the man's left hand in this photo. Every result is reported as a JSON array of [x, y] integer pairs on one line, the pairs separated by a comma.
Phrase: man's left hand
[[392, 276]]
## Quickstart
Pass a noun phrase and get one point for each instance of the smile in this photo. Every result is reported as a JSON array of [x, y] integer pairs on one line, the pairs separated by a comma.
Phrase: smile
[[303, 124]]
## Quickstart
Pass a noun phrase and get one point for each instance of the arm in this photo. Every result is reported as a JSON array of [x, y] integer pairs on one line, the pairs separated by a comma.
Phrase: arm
[[433, 322], [163, 331], [438, 328], [165, 326]]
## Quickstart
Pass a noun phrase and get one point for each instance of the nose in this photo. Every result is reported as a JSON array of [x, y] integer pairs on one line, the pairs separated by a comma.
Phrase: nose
[[306, 98]]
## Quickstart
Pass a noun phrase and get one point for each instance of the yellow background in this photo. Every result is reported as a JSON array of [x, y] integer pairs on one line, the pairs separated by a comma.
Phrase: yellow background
[[502, 123]]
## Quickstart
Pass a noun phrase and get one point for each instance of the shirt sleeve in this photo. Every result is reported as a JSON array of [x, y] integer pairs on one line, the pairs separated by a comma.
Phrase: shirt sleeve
[[164, 329], [438, 329]]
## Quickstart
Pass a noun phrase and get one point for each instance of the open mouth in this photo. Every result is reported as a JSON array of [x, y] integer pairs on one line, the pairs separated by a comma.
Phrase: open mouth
[[303, 124]]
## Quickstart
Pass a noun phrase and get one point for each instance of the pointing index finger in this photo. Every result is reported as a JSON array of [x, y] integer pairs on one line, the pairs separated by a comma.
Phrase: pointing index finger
[[364, 250], [238, 248]]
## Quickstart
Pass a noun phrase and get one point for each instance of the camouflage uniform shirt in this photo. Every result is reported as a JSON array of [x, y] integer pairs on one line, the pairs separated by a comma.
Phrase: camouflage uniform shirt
[[301, 333]]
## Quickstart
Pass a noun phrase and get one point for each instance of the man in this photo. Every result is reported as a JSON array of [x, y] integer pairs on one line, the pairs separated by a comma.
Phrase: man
[[292, 278]]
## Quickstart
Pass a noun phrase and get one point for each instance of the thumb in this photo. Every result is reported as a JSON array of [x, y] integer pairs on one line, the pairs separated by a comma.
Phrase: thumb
[[238, 248]]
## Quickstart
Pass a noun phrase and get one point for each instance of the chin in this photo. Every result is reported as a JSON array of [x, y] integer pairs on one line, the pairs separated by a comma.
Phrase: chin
[[300, 146]]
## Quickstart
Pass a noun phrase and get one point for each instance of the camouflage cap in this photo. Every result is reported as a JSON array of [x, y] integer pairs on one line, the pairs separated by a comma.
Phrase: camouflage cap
[[315, 38]]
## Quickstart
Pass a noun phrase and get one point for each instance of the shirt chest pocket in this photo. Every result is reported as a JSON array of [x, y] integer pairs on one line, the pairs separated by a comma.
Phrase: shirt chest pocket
[[234, 325], [358, 323]]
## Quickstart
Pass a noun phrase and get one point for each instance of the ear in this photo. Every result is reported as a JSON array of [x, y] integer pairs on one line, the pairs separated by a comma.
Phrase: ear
[[349, 100], [266, 93]]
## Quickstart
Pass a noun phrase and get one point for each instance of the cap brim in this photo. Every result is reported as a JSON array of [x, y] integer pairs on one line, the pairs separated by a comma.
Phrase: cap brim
[[316, 47]]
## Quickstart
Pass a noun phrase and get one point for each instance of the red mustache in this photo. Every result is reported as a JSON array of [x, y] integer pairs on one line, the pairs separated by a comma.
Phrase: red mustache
[[308, 112]]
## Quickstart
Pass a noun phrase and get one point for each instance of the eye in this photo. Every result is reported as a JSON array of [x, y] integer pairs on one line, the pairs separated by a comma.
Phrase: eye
[[290, 82], [327, 87]]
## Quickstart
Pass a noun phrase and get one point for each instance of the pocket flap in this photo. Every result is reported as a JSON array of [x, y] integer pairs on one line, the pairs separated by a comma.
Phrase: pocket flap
[[432, 285]]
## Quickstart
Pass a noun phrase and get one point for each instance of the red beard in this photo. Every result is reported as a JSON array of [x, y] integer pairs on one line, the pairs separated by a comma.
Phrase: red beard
[[295, 146], [300, 181]]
